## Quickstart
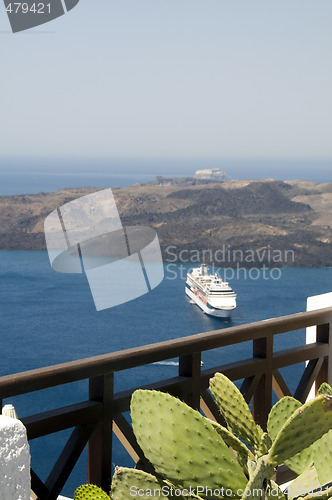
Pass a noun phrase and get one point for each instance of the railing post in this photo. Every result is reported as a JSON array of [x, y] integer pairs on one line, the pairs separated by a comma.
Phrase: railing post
[[190, 366], [262, 397], [100, 443], [324, 334]]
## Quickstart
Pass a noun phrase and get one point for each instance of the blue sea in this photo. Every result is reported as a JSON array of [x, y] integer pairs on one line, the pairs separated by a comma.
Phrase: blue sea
[[35, 175], [48, 318]]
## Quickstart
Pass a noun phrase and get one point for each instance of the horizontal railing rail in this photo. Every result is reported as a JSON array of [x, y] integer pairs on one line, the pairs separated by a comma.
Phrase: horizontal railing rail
[[95, 420]]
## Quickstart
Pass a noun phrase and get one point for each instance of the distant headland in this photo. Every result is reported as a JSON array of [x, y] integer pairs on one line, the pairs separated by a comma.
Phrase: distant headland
[[204, 217]]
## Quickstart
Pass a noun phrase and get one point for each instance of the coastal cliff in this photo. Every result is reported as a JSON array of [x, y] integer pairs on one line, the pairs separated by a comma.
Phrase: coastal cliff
[[225, 223]]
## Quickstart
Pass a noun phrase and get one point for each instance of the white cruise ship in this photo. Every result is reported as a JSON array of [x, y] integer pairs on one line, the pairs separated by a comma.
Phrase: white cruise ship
[[213, 295]]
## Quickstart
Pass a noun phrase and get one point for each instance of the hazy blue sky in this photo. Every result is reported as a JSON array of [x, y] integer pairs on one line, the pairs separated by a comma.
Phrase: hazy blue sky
[[170, 79]]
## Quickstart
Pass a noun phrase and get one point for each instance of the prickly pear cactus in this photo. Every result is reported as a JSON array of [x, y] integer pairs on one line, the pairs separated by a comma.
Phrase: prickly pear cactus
[[235, 411], [90, 492], [307, 481], [280, 413], [131, 482], [243, 454], [304, 427], [182, 445], [188, 450], [322, 449], [325, 388], [278, 416], [322, 457]]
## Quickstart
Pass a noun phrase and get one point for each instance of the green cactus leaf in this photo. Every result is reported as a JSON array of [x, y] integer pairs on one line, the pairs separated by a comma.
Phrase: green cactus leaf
[[90, 492], [307, 482], [235, 410], [232, 441], [322, 457], [242, 452], [183, 445], [325, 388], [280, 413], [304, 427], [128, 483], [278, 416], [301, 461], [259, 480]]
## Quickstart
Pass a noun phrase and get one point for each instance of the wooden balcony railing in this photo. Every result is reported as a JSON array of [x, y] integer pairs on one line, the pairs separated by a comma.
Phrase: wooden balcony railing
[[94, 421]]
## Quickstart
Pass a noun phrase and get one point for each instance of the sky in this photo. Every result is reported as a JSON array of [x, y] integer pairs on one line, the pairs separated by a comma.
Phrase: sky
[[186, 79]]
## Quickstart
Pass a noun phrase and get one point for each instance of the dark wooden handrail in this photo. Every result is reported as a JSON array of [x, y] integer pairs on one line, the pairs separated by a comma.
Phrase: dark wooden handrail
[[93, 420], [50, 376]]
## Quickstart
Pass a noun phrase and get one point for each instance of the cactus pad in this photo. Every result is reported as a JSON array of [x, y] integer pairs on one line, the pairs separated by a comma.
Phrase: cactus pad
[[183, 445], [304, 427], [301, 461], [232, 441], [129, 483], [278, 416], [280, 413], [325, 388], [306, 482], [90, 491], [235, 410], [243, 453], [322, 456]]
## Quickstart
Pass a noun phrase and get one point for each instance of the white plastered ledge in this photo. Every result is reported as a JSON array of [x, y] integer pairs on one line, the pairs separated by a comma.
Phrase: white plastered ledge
[[14, 460]]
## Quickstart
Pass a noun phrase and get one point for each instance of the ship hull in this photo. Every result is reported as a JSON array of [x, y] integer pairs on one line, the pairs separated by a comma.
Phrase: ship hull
[[206, 308]]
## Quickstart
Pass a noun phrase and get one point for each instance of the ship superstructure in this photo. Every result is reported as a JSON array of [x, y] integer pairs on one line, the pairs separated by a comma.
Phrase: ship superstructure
[[213, 295]]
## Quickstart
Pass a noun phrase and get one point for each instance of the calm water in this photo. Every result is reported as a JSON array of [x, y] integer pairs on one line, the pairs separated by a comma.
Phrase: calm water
[[49, 318], [28, 175]]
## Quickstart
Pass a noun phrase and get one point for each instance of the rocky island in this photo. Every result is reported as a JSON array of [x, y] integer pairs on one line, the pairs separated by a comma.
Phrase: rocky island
[[221, 222]]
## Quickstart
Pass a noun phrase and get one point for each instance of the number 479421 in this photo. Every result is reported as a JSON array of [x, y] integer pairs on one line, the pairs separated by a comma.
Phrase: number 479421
[[24, 8]]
